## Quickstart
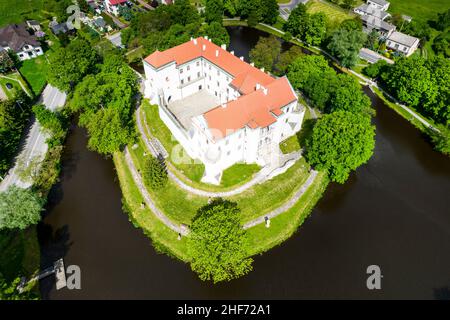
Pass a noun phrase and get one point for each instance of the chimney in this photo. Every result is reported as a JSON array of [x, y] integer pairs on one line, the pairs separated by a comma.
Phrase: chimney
[[195, 41], [258, 86], [252, 64], [242, 58], [204, 47], [262, 69], [232, 52], [217, 53], [206, 37], [265, 91], [224, 46], [224, 105]]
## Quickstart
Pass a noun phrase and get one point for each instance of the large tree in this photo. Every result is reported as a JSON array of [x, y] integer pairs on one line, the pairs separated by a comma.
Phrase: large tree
[[341, 142], [214, 10], [297, 22], [218, 244], [19, 208], [105, 102], [345, 45], [316, 29], [348, 96], [303, 67], [70, 64], [266, 52], [411, 81], [217, 33], [286, 58], [270, 11]]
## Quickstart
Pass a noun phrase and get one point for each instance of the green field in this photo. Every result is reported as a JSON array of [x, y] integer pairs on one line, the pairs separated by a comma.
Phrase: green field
[[334, 13], [20, 10], [419, 9], [34, 72]]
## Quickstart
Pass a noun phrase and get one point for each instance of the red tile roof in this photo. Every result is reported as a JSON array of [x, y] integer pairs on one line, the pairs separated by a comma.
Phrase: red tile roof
[[114, 2], [254, 108]]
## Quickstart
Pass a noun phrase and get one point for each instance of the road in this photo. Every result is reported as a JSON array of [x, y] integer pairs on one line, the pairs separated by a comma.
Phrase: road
[[116, 39], [35, 145]]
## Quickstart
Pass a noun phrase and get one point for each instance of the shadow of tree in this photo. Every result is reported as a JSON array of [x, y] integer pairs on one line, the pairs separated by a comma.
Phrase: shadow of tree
[[54, 245]]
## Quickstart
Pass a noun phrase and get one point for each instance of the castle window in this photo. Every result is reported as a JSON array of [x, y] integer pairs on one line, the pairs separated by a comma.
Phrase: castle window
[[181, 71], [188, 68], [198, 63]]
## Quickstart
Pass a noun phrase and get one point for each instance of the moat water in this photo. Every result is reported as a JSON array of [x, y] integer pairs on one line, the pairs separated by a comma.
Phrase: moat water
[[393, 212]]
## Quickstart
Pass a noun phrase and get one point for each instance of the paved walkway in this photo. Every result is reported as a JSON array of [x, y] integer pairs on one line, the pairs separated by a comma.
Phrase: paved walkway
[[148, 200], [287, 205]]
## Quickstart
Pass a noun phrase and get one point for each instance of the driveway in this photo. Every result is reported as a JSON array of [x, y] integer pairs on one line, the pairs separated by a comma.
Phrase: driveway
[[116, 39]]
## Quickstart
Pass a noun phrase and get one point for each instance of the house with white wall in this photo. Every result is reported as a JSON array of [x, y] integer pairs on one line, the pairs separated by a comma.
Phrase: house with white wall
[[113, 6], [221, 109], [15, 37], [402, 43]]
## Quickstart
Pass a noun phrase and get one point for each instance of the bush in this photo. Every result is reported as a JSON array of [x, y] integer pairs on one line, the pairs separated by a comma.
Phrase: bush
[[155, 173], [375, 69]]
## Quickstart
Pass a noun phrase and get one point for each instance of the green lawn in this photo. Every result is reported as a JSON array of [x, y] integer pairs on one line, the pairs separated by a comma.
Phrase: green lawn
[[334, 13], [17, 11], [10, 92], [237, 173], [419, 9], [260, 237], [20, 256], [34, 71]]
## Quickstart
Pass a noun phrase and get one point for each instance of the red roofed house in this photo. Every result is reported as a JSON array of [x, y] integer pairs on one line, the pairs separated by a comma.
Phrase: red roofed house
[[112, 6], [221, 109]]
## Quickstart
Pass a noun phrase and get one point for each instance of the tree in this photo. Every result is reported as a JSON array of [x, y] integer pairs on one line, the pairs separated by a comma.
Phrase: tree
[[108, 131], [217, 33], [410, 81], [351, 24], [214, 11], [19, 208], [155, 173], [441, 44], [69, 65], [373, 40], [375, 69], [349, 4], [345, 45], [265, 53], [218, 244], [443, 20], [341, 142], [105, 102], [231, 7], [270, 11], [51, 121], [303, 67], [348, 96], [8, 291], [286, 58], [297, 21], [316, 29], [126, 13], [441, 140]]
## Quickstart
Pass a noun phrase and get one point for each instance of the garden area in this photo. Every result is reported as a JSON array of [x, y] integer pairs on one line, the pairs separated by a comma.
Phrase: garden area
[[34, 71]]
